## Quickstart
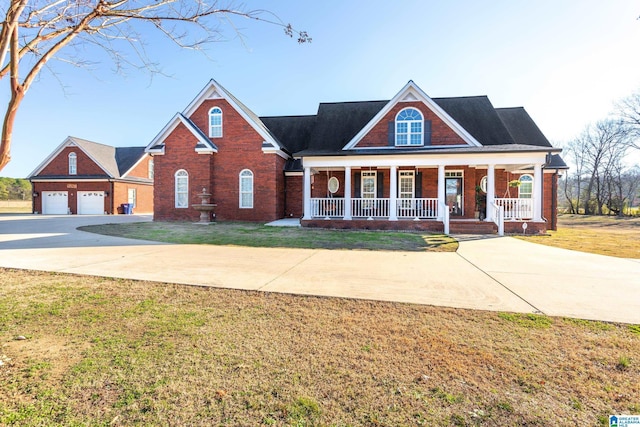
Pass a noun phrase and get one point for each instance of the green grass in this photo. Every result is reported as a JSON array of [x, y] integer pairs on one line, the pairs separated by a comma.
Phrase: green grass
[[15, 206], [121, 352], [258, 235]]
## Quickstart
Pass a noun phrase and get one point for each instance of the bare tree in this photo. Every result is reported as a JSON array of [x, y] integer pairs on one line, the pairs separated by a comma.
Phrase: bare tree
[[36, 31], [628, 109], [597, 153]]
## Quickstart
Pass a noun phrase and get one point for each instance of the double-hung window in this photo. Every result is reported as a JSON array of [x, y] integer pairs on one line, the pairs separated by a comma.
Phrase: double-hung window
[[409, 127], [369, 185], [73, 164], [182, 189], [246, 189], [215, 122]]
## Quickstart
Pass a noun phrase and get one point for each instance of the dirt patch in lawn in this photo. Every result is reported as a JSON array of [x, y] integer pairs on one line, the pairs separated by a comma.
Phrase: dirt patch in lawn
[[602, 235], [121, 352]]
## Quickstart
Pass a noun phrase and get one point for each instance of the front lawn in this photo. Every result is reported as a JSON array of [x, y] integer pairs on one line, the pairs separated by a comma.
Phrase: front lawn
[[604, 235], [105, 352], [259, 235]]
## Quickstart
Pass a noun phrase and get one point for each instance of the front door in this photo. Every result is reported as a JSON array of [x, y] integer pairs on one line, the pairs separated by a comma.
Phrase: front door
[[453, 187]]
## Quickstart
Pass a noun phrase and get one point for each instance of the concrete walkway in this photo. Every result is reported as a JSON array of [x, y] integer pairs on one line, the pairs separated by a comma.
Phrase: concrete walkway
[[502, 274]]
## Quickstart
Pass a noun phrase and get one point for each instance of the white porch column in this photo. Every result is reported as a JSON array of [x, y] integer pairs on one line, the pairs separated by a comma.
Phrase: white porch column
[[306, 193], [393, 194], [441, 193], [347, 192], [491, 191], [537, 192]]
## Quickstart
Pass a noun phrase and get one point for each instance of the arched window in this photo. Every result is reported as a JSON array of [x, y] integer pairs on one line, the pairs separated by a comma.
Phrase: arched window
[[182, 189], [409, 127], [526, 187], [246, 189], [73, 164], [215, 122]]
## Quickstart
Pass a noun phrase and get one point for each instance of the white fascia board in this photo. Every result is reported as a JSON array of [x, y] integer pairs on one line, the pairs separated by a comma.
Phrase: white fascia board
[[72, 180], [124, 175], [277, 151], [412, 88], [68, 142], [50, 157], [170, 127], [213, 90], [417, 160]]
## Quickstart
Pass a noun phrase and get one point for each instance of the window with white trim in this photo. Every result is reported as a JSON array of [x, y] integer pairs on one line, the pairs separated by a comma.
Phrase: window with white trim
[[215, 122], [409, 127], [483, 184], [369, 181], [246, 189], [73, 164], [131, 197], [525, 190], [406, 184], [150, 170], [182, 189]]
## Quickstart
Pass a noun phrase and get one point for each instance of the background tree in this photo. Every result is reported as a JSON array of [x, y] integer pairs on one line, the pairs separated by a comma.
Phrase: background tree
[[628, 109], [36, 31]]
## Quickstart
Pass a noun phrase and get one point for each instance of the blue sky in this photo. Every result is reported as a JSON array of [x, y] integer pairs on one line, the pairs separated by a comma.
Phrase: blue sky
[[566, 62]]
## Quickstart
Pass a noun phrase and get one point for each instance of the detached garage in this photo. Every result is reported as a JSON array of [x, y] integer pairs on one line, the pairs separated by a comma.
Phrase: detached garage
[[86, 178], [55, 202]]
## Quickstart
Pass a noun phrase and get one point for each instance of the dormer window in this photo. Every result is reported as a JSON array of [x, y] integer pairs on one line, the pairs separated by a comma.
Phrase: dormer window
[[409, 127], [73, 164], [215, 122]]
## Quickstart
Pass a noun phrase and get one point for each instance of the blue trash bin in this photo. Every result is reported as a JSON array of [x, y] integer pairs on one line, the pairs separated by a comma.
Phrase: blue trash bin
[[127, 208]]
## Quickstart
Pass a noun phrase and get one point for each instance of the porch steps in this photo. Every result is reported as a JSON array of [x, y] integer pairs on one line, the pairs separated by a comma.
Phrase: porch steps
[[472, 227]]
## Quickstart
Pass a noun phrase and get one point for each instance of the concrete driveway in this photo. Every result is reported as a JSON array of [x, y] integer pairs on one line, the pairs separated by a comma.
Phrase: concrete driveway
[[501, 274]]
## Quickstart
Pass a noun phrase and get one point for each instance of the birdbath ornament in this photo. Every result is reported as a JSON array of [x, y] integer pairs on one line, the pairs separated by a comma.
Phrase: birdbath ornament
[[204, 207]]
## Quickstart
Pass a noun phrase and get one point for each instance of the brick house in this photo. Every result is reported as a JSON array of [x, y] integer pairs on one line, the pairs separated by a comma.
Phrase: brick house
[[412, 162], [83, 177]]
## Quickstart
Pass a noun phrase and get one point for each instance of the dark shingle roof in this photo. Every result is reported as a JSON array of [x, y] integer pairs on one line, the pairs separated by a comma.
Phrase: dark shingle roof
[[521, 126], [477, 116], [293, 132], [127, 157]]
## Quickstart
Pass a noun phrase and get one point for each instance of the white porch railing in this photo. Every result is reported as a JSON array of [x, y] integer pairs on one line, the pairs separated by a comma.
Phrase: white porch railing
[[327, 207], [417, 208], [370, 208], [515, 209], [498, 216]]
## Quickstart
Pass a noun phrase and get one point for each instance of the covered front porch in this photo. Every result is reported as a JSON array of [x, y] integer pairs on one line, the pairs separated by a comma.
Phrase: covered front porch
[[423, 193]]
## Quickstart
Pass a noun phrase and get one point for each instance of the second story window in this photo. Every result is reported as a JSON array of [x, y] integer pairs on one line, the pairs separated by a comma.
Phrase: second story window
[[73, 164], [215, 123], [409, 127]]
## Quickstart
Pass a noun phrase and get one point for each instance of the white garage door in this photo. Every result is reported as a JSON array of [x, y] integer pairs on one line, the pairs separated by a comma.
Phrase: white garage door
[[90, 202], [55, 202]]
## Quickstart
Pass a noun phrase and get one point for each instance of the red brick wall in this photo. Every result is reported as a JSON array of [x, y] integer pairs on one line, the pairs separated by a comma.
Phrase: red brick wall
[[60, 164], [118, 194], [72, 190], [144, 197], [441, 133], [141, 170], [239, 148], [294, 207]]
